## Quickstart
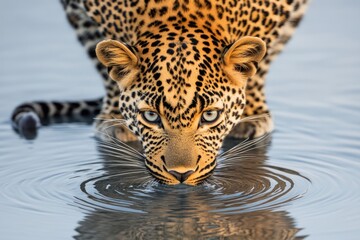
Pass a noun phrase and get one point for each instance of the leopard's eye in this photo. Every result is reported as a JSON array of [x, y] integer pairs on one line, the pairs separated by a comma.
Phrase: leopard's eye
[[151, 117], [210, 116]]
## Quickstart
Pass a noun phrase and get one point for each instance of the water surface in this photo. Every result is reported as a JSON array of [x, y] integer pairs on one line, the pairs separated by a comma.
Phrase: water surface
[[300, 182]]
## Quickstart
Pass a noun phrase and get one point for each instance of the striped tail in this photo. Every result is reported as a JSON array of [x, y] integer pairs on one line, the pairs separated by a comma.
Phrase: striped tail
[[28, 117]]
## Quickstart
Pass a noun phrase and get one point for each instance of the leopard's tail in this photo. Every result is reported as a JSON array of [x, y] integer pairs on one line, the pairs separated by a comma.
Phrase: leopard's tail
[[28, 117]]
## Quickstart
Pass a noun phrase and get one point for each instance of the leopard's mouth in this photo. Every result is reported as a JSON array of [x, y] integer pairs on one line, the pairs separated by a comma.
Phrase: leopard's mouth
[[194, 178]]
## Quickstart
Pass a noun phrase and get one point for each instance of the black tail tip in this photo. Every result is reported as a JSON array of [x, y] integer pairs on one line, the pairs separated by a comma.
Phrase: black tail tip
[[26, 124]]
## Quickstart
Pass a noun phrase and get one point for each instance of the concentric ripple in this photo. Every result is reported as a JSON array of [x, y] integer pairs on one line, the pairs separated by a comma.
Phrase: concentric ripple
[[257, 188], [47, 183], [244, 183], [115, 191]]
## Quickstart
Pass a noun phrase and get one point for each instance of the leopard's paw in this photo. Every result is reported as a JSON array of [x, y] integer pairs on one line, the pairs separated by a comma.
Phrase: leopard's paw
[[110, 126], [253, 128]]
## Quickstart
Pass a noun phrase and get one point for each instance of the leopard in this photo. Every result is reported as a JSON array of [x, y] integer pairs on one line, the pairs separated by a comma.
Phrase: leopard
[[180, 76]]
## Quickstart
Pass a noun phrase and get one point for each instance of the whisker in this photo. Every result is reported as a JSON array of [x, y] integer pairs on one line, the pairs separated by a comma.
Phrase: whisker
[[121, 145], [122, 121], [255, 117], [235, 147], [121, 149], [109, 120], [113, 118], [119, 121], [116, 149], [117, 143], [115, 122], [238, 153], [122, 158], [242, 156], [241, 150], [112, 125], [243, 145]]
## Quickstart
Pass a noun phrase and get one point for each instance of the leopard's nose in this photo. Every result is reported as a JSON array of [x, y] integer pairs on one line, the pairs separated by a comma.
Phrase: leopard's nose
[[181, 176]]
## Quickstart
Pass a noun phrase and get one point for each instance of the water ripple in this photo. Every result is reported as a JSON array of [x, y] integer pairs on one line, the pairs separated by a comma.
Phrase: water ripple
[[246, 184], [239, 184]]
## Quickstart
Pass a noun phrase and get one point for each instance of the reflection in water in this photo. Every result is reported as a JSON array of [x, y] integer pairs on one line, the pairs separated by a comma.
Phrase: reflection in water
[[240, 201]]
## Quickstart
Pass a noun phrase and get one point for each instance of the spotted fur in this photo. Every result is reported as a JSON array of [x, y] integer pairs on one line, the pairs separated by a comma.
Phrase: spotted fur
[[179, 59]]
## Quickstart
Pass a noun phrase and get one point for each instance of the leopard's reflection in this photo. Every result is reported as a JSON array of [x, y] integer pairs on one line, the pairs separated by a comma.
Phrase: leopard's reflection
[[188, 213]]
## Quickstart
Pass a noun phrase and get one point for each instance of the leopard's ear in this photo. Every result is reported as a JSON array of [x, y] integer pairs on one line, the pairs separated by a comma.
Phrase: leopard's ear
[[241, 58], [121, 62]]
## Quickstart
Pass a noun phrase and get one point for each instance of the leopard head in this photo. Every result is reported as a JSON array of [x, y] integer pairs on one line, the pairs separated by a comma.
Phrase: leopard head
[[181, 96]]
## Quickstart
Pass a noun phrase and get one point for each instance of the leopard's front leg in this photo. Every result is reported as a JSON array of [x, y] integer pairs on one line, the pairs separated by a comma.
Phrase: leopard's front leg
[[112, 126], [256, 119], [255, 126], [256, 110], [110, 123]]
